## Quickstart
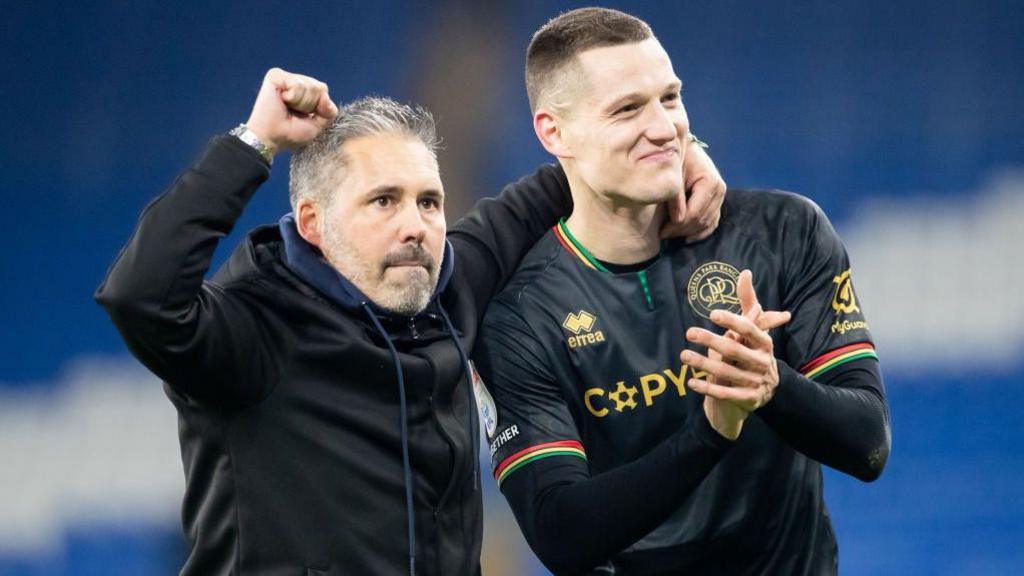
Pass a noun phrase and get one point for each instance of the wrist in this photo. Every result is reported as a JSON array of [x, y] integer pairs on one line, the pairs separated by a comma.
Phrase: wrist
[[724, 417], [254, 139]]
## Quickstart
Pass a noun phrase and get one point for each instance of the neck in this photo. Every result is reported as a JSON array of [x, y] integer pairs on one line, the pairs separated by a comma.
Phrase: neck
[[615, 231]]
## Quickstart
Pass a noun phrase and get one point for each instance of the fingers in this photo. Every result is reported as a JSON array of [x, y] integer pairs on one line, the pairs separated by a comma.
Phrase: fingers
[[325, 108], [746, 294], [749, 399], [771, 319], [708, 231], [739, 365], [676, 212], [754, 314], [755, 336], [706, 193], [733, 376], [730, 351], [303, 94], [695, 214], [703, 206], [765, 320], [698, 202]]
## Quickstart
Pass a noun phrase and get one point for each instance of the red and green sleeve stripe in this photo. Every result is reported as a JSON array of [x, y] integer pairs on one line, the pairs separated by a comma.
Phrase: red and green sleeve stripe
[[534, 453], [838, 357]]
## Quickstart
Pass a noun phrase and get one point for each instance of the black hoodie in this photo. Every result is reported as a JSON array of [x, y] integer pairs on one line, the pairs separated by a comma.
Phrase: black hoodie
[[308, 417]]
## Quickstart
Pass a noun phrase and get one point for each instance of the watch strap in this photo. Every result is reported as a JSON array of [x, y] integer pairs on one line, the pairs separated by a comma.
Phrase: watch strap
[[243, 133]]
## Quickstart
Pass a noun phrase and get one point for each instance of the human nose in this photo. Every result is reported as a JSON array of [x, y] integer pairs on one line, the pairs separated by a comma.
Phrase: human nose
[[662, 125], [412, 227]]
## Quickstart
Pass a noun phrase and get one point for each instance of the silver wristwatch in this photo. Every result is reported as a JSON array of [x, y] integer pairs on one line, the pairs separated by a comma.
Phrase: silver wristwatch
[[243, 133]]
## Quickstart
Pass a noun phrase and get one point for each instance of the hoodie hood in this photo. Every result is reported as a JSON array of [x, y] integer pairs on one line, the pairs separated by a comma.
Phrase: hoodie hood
[[305, 260]]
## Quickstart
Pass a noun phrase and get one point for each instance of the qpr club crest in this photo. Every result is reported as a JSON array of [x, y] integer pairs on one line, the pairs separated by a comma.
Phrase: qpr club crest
[[713, 287]]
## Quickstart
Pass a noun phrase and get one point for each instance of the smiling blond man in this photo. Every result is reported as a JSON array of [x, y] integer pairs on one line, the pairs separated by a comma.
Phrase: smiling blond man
[[608, 458]]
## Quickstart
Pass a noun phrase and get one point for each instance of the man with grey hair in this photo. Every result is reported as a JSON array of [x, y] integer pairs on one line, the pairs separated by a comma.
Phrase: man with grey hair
[[326, 417], [318, 164]]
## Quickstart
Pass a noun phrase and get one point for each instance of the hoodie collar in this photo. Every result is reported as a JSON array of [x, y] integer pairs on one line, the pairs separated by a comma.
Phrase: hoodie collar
[[305, 260]]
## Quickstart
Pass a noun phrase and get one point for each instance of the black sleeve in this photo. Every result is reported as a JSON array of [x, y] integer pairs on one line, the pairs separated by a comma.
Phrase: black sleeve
[[192, 334], [540, 462], [833, 408], [841, 421], [494, 236], [553, 498]]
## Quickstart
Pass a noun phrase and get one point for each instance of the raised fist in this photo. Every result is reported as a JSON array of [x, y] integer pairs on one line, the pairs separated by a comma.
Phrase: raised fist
[[290, 110]]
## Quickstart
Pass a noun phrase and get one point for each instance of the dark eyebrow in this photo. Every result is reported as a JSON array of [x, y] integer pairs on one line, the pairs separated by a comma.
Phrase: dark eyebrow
[[675, 86], [618, 102], [392, 190], [384, 190], [432, 192]]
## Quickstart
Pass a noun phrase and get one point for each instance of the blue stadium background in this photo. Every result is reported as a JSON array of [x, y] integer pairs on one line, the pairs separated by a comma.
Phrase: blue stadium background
[[903, 120]]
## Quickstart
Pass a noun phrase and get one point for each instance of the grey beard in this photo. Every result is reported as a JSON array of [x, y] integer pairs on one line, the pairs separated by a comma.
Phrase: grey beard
[[409, 301], [404, 299]]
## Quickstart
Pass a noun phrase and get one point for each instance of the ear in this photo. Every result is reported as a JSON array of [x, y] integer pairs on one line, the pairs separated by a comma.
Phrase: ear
[[548, 127], [307, 220]]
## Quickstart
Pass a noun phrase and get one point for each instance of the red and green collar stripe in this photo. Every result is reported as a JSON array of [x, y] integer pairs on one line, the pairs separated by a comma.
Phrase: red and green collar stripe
[[534, 453], [838, 357], [575, 248]]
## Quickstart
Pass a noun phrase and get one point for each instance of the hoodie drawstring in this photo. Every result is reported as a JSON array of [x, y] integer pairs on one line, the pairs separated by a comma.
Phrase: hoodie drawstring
[[474, 436], [410, 514]]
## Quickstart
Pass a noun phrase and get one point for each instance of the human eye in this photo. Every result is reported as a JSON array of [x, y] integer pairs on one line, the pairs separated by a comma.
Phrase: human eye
[[626, 109], [671, 97], [430, 202], [382, 201]]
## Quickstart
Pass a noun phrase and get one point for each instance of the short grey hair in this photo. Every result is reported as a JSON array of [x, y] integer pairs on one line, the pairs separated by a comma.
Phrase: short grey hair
[[318, 165]]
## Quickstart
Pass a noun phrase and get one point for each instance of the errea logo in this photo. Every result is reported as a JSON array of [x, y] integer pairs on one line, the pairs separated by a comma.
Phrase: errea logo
[[582, 325], [582, 321]]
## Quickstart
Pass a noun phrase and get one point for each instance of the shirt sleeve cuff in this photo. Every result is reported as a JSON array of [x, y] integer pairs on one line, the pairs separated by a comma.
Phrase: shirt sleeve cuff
[[236, 144]]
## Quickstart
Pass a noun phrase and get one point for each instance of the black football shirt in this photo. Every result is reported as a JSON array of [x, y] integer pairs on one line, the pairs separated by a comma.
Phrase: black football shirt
[[581, 363]]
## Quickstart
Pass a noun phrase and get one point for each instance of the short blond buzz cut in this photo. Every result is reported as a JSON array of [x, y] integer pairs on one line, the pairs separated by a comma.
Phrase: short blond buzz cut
[[555, 45]]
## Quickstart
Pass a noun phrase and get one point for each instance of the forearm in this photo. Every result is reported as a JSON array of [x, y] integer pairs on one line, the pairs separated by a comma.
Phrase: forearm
[[554, 499], [491, 240], [842, 421], [160, 271]]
